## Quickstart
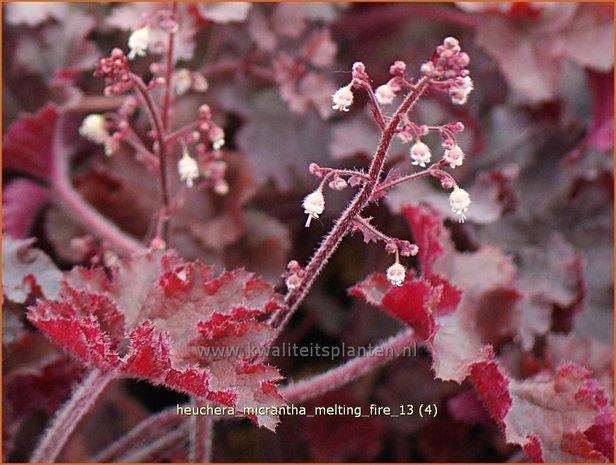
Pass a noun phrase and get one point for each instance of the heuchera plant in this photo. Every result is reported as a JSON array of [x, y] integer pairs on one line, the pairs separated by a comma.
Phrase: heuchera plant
[[133, 164]]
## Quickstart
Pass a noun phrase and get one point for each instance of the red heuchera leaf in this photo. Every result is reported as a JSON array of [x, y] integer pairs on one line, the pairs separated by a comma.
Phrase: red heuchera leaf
[[417, 302], [27, 271], [44, 51], [172, 323], [457, 343], [585, 351], [272, 129], [601, 434], [532, 65], [429, 234], [21, 201], [467, 408], [414, 303], [546, 415], [601, 132], [471, 286], [492, 387], [27, 144], [554, 276]]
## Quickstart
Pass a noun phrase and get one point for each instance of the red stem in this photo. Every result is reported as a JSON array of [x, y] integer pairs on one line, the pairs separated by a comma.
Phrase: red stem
[[83, 212], [140, 434], [70, 414], [201, 435], [157, 449], [333, 379], [169, 70], [161, 149], [388, 185]]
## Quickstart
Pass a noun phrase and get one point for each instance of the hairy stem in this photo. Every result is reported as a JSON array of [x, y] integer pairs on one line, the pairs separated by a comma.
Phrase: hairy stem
[[333, 379], [366, 224], [139, 435], [70, 414], [85, 214], [343, 224], [158, 448], [201, 435]]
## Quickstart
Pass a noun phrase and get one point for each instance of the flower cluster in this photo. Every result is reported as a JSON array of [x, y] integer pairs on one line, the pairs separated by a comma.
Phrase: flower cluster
[[448, 68], [446, 72], [114, 69]]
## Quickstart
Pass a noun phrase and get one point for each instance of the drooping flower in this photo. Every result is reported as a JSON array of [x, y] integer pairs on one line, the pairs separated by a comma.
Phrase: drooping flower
[[420, 154], [217, 136], [459, 200], [460, 90], [313, 205], [396, 274], [182, 81], [93, 128], [342, 98], [454, 156], [138, 42], [188, 168], [385, 94]]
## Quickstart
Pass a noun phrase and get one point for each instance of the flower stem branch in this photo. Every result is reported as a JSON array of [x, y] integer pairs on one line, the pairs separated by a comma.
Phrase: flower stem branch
[[139, 435], [83, 212], [157, 449], [70, 414], [201, 435], [374, 106], [365, 223], [411, 177], [343, 224], [161, 149], [337, 377], [172, 136]]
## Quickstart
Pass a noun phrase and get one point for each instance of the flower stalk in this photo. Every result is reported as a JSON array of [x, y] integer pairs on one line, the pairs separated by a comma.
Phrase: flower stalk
[[72, 412], [343, 224]]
